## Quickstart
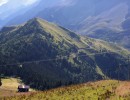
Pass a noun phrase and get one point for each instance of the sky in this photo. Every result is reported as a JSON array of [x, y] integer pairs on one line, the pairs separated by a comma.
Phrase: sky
[[25, 2], [8, 7], [19, 2], [2, 2], [11, 7]]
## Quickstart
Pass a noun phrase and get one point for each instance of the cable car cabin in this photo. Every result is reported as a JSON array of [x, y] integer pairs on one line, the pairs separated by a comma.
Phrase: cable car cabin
[[23, 88]]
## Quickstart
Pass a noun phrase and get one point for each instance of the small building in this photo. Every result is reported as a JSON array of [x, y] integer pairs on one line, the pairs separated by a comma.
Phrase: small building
[[23, 88]]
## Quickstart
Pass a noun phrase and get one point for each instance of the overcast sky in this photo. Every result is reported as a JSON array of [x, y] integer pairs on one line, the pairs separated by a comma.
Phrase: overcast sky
[[2, 2], [25, 2], [9, 7], [18, 2]]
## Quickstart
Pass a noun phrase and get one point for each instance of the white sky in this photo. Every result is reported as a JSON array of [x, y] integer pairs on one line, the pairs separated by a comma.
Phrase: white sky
[[2, 2], [28, 2], [18, 2], [8, 7]]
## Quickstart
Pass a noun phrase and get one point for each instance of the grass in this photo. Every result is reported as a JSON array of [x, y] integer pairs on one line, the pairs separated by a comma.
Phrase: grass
[[11, 83], [101, 90], [60, 34], [9, 86]]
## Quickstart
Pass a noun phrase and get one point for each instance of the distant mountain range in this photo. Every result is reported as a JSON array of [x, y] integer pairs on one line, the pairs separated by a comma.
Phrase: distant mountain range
[[45, 55], [107, 20]]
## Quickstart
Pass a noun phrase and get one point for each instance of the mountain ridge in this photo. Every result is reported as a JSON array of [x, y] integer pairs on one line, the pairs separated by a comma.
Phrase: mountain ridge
[[81, 58], [100, 20]]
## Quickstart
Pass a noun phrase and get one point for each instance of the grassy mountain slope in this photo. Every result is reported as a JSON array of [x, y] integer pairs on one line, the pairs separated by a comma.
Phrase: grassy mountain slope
[[121, 38], [100, 20], [78, 58], [101, 90]]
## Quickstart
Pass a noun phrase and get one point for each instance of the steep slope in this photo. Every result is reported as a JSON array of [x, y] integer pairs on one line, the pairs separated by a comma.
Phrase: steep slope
[[100, 20], [121, 38], [46, 55]]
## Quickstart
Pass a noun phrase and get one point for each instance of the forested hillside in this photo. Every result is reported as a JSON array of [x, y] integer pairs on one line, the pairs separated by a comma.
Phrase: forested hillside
[[45, 55]]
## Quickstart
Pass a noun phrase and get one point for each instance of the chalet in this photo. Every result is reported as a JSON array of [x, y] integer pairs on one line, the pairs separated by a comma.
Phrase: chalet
[[23, 88]]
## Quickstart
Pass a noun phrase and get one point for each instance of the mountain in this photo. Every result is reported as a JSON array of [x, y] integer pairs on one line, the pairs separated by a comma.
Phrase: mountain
[[45, 55], [99, 20]]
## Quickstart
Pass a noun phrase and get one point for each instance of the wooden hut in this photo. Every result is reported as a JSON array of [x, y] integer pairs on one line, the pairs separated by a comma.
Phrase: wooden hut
[[23, 88]]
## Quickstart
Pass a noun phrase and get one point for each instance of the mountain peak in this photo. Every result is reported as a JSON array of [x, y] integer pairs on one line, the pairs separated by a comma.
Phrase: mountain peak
[[37, 19], [41, 23], [33, 20], [51, 28]]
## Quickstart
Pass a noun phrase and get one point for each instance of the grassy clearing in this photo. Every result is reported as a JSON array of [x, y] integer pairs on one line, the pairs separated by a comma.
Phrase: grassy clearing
[[9, 87], [11, 83], [101, 90]]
